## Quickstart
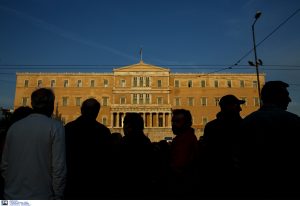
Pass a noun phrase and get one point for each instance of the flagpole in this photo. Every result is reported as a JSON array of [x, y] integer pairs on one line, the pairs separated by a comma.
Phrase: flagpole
[[141, 54]]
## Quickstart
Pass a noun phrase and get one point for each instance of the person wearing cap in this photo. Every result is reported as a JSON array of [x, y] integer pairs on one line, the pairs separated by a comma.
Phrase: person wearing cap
[[219, 146], [271, 142]]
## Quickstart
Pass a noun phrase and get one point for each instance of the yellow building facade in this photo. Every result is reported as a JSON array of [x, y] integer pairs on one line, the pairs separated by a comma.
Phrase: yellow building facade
[[143, 88]]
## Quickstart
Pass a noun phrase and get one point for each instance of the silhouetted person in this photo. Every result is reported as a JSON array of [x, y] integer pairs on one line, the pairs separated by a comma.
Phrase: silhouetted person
[[219, 147], [18, 114], [87, 143], [33, 163], [136, 158], [184, 152], [271, 145]]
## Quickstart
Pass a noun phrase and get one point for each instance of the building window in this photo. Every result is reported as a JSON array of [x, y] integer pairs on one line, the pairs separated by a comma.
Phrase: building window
[[204, 121], [64, 101], [256, 102], [25, 101], [217, 100], [123, 100], [159, 83], [191, 101], [105, 101], [40, 83], [141, 81], [177, 101], [134, 98], [242, 83], [92, 83], [141, 100], [147, 98], [135, 81], [147, 81], [203, 83], [52, 83], [177, 83], [216, 83], [66, 83], [229, 84], [159, 100], [104, 121], [78, 101], [160, 120], [123, 83], [190, 83], [26, 82], [254, 83], [79, 83], [245, 99], [105, 83], [204, 101]]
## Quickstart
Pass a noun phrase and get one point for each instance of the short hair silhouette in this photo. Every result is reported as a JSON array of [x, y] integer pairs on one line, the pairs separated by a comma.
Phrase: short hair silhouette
[[186, 114], [90, 108], [20, 113], [42, 101], [135, 120], [271, 90]]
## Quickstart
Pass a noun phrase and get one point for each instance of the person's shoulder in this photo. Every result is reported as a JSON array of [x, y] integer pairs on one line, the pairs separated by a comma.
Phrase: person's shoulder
[[70, 124], [102, 126], [253, 115], [212, 123], [292, 115], [56, 122]]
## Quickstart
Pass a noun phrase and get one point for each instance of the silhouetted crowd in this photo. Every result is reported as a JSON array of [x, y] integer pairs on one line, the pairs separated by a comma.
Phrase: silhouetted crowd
[[252, 158]]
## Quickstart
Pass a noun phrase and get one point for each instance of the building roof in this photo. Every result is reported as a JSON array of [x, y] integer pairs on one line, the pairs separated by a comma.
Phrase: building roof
[[141, 67]]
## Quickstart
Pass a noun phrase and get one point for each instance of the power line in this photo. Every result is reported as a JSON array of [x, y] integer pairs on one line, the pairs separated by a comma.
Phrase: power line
[[172, 65], [207, 66], [280, 25], [13, 72]]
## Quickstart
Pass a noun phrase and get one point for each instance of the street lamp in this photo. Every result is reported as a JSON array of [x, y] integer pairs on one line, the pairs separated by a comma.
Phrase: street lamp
[[257, 62]]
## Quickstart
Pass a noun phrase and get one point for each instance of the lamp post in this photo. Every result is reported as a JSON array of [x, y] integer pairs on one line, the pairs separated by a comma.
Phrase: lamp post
[[257, 62]]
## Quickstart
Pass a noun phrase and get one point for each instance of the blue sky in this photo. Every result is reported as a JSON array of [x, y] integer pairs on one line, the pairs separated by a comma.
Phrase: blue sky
[[171, 32]]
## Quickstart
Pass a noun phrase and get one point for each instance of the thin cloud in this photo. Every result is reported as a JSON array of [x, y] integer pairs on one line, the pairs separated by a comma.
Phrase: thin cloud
[[63, 33]]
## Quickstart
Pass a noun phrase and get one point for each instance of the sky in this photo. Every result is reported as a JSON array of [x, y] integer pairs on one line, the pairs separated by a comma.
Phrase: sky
[[185, 36]]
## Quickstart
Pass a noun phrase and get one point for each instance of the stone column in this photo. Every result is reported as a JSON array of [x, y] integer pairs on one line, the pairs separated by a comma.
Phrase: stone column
[[118, 119], [112, 119], [151, 125], [122, 119]]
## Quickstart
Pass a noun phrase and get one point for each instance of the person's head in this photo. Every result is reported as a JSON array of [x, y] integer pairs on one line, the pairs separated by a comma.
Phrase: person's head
[[133, 124], [90, 108], [20, 113], [276, 93], [181, 120], [230, 104], [42, 101]]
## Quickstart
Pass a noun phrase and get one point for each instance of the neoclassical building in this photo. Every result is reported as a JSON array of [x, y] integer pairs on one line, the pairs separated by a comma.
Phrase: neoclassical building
[[149, 90]]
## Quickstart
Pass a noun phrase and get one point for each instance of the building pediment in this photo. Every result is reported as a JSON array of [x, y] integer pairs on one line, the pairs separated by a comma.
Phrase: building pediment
[[141, 67]]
